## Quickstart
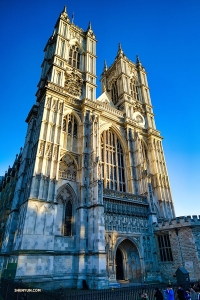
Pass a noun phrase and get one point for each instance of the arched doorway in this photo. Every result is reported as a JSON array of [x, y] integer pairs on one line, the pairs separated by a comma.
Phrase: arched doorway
[[127, 261], [119, 265]]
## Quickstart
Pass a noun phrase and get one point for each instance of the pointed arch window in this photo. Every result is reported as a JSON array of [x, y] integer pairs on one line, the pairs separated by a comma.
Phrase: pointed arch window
[[134, 89], [114, 92], [74, 57], [113, 173], [145, 159], [70, 127], [67, 226]]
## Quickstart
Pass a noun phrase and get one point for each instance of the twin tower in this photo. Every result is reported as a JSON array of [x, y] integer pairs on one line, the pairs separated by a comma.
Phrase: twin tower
[[92, 178]]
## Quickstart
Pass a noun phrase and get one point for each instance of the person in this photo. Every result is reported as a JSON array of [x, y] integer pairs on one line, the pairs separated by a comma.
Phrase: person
[[144, 296], [198, 296], [181, 293], [193, 294], [187, 295], [158, 295], [169, 292], [197, 287]]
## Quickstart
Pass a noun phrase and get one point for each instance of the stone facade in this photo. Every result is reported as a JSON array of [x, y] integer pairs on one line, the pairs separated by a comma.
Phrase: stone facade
[[92, 182]]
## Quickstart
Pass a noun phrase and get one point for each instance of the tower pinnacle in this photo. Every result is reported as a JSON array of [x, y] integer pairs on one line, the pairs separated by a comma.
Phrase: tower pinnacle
[[138, 60], [120, 51], [65, 9], [89, 26], [105, 68]]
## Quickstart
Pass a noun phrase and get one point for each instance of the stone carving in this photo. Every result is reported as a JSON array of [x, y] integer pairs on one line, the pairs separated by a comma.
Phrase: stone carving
[[124, 196], [48, 103], [74, 83], [41, 149], [139, 119], [54, 105], [55, 151], [126, 224], [60, 107], [48, 152], [67, 168]]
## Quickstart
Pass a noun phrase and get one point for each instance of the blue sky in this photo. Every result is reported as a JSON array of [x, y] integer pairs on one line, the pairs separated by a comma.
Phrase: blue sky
[[165, 35]]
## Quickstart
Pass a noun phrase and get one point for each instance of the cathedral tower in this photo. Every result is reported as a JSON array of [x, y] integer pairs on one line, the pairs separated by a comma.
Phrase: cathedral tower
[[57, 207], [125, 84]]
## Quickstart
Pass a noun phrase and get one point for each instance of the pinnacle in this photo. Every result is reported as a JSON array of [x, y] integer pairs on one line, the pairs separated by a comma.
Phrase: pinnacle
[[105, 66], [119, 47], [137, 59], [120, 51], [65, 9], [89, 26]]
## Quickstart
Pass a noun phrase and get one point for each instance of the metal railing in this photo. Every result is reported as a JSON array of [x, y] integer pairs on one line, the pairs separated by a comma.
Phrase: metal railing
[[19, 291]]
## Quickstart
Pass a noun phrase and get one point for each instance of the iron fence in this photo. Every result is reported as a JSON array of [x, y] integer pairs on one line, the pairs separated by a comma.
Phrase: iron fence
[[10, 291]]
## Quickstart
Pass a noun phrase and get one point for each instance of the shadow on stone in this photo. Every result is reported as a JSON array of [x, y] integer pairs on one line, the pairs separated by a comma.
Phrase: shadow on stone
[[85, 285]]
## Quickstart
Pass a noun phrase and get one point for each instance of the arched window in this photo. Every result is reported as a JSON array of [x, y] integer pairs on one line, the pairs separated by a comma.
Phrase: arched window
[[114, 92], [134, 89], [74, 57], [70, 127], [113, 174], [145, 159], [67, 226]]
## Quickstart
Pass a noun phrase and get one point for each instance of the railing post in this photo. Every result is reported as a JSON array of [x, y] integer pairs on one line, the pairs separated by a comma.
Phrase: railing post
[[61, 293], [8, 286], [19, 285]]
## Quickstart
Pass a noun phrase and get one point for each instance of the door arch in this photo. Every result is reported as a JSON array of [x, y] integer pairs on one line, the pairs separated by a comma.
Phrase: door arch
[[127, 259]]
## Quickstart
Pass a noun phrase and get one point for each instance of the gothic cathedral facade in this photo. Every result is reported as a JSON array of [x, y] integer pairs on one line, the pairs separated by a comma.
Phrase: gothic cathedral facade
[[92, 181]]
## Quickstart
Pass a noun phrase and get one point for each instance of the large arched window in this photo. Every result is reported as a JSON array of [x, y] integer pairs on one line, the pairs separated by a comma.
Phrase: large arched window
[[67, 226], [112, 159], [74, 57], [70, 127]]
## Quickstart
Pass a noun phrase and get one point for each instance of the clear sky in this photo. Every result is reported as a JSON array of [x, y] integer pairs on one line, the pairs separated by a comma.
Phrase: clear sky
[[166, 36]]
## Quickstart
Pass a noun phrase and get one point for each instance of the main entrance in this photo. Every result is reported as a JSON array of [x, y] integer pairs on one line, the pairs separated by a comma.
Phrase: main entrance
[[119, 265], [127, 262]]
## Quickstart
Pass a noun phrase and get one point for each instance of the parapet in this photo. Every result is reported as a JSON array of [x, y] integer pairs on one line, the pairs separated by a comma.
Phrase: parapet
[[182, 221]]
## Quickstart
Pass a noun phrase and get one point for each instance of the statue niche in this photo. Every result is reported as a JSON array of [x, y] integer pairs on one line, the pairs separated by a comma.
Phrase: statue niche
[[67, 168]]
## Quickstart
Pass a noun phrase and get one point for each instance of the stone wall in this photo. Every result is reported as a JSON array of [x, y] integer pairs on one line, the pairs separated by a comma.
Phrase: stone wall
[[184, 235]]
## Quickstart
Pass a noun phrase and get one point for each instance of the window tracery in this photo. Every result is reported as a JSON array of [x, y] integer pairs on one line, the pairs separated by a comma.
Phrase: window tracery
[[70, 127], [74, 57], [67, 226], [113, 173], [114, 92], [145, 159], [134, 89]]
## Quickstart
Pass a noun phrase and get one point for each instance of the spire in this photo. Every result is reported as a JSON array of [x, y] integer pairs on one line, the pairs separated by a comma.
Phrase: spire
[[73, 18], [64, 13], [120, 51], [119, 47], [89, 26], [105, 68], [65, 9], [138, 60]]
